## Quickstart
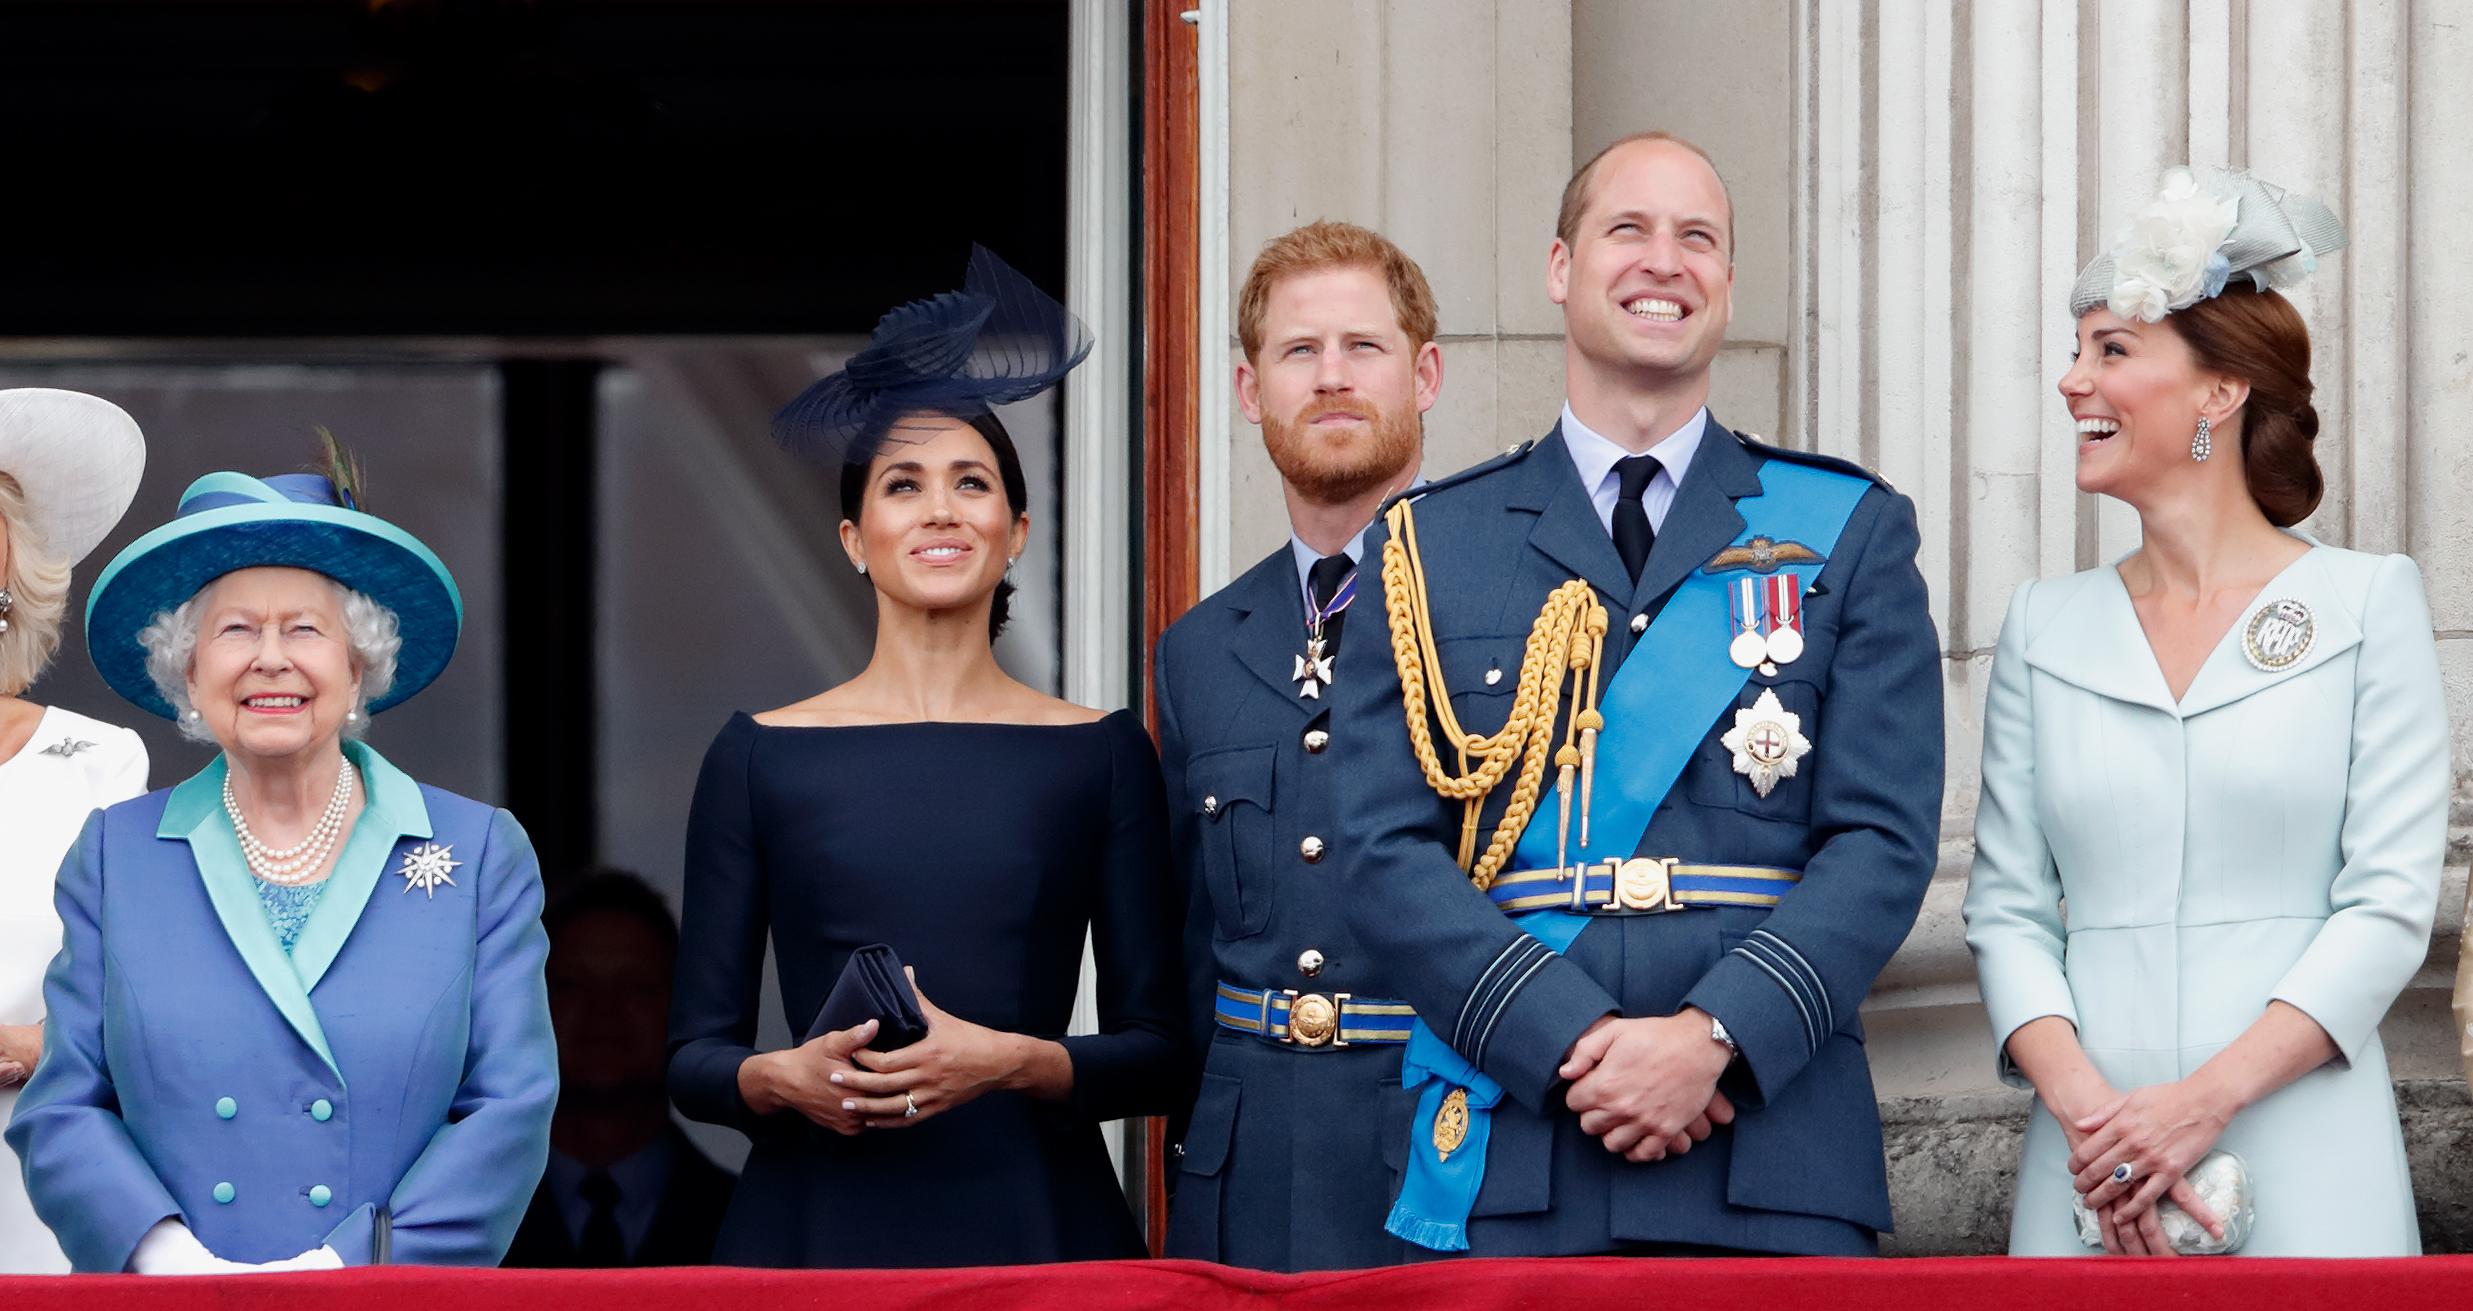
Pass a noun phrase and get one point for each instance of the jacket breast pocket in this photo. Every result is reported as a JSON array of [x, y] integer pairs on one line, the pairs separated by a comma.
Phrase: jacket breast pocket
[[1772, 744], [1481, 673], [1230, 792]]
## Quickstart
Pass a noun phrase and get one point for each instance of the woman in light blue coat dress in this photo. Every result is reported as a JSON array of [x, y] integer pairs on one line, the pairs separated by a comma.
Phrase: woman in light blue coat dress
[[297, 1020], [2215, 776]]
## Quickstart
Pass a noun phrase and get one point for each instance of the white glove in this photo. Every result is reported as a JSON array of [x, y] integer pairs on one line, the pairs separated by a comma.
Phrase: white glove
[[316, 1258], [170, 1249]]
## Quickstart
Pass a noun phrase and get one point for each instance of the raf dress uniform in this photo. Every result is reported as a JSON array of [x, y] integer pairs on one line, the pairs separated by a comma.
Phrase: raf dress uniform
[[1283, 1159], [1757, 761]]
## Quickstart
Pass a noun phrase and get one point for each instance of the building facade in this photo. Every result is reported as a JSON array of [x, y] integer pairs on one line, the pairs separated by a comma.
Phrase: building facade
[[1916, 184]]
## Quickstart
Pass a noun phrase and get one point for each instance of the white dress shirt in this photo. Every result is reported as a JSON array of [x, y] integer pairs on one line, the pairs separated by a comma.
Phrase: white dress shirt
[[1594, 455]]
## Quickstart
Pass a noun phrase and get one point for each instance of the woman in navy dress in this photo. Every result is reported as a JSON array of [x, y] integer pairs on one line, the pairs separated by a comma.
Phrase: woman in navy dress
[[933, 803]]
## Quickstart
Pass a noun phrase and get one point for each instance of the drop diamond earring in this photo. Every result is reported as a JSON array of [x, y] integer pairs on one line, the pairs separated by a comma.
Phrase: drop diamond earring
[[2203, 444]]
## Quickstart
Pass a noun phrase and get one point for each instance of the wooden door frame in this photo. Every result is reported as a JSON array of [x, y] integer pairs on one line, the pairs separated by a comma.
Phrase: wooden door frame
[[1171, 228]]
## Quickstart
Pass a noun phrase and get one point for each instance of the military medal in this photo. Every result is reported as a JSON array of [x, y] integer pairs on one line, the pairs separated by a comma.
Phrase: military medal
[[1450, 1124], [1785, 643], [426, 866], [1748, 648], [2278, 636], [1313, 671], [1767, 741]]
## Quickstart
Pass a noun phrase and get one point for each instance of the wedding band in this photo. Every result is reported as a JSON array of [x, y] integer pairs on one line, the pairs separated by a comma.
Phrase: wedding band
[[2124, 1172], [910, 1107]]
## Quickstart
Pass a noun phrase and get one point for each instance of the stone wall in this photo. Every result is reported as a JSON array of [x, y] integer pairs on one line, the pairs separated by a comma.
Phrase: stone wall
[[1917, 183]]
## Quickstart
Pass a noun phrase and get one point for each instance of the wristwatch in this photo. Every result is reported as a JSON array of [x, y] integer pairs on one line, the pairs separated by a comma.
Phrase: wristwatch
[[1717, 1033]]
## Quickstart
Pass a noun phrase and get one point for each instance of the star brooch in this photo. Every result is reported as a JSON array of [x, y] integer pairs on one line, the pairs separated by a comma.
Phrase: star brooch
[[1767, 740], [426, 866]]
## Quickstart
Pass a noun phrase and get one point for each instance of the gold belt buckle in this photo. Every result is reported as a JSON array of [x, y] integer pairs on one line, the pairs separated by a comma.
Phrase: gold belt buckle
[[1642, 883], [1314, 1019]]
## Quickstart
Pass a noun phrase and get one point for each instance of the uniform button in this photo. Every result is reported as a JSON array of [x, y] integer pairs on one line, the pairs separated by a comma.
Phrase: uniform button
[[1316, 740], [320, 1195], [226, 1108], [1309, 962], [1210, 805], [321, 1110], [1494, 675], [1179, 1149], [1310, 848], [224, 1192], [1639, 623]]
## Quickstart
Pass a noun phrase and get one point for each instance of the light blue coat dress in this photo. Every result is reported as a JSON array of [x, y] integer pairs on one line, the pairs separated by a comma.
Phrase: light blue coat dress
[[2271, 837], [385, 1089]]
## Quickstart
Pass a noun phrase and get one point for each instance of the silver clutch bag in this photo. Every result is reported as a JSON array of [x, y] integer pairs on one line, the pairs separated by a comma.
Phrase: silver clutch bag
[[2223, 1183]]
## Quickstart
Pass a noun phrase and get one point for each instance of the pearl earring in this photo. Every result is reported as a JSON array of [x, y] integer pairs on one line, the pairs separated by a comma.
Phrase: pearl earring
[[352, 716], [192, 716], [7, 603], [2202, 445]]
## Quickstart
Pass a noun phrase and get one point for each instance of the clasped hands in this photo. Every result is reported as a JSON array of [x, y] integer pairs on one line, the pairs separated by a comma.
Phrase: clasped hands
[[1647, 1088], [2160, 1131], [837, 1082]]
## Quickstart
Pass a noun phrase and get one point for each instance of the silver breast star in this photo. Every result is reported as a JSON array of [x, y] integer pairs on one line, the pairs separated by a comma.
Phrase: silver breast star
[[426, 866], [66, 747]]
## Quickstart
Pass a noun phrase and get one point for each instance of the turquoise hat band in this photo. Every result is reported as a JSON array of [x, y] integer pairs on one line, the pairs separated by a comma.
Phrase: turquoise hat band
[[230, 522]]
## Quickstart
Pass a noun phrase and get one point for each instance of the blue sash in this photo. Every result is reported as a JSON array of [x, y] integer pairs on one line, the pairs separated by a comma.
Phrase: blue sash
[[1654, 721]]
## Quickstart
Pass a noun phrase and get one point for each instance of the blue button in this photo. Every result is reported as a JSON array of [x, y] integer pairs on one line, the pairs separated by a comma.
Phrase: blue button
[[226, 1107], [223, 1192], [321, 1110], [320, 1195]]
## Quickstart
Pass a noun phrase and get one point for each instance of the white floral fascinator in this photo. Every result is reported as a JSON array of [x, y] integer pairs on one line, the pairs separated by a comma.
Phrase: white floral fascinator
[[2201, 232]]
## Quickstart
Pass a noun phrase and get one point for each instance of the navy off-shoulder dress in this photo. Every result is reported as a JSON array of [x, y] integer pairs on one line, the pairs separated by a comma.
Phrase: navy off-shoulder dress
[[981, 853]]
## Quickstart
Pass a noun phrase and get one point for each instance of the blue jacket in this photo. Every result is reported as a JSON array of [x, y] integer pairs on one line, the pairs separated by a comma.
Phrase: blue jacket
[[1283, 1161], [384, 1090], [1802, 1169]]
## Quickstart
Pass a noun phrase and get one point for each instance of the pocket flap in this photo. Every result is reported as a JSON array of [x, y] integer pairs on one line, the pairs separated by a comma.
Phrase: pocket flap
[[1213, 1126], [1220, 779]]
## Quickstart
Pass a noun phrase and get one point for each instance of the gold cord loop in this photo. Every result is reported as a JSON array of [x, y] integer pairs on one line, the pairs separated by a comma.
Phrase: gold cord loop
[[1566, 645]]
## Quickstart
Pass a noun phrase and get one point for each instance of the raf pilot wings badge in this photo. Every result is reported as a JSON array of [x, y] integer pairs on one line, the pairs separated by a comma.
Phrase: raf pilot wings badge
[[1761, 555]]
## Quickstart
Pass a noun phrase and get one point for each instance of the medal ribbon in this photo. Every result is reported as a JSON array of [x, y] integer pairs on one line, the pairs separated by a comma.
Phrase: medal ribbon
[[1786, 601], [1743, 604], [1317, 615]]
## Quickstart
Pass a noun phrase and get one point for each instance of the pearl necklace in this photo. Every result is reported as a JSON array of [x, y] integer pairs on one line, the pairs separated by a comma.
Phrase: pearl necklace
[[296, 865]]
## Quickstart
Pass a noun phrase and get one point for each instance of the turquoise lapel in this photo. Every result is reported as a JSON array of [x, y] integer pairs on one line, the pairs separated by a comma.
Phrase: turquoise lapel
[[194, 814], [392, 810]]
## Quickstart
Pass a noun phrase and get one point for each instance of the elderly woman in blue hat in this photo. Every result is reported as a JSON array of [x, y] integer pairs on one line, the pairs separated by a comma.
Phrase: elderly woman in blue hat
[[298, 1019]]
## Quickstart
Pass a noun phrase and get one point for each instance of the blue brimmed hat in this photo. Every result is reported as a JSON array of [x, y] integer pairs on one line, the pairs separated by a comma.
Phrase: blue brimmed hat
[[230, 521]]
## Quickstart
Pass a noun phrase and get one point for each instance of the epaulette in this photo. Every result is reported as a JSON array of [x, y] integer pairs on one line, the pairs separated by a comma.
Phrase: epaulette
[[1813, 458], [1469, 474]]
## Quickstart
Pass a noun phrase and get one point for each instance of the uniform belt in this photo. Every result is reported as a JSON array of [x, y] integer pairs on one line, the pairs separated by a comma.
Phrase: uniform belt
[[1641, 885], [1312, 1019]]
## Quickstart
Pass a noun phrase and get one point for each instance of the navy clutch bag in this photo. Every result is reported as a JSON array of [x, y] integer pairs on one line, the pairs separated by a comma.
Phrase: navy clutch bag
[[872, 986]]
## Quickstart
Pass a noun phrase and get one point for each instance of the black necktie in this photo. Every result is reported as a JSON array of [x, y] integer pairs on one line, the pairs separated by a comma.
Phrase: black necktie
[[602, 1245], [1324, 582], [1632, 535]]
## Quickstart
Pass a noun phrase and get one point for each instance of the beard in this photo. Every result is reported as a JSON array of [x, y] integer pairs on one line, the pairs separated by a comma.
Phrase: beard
[[1333, 468]]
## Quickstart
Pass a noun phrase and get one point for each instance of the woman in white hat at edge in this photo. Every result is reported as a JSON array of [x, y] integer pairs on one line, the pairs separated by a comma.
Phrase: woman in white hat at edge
[[69, 466]]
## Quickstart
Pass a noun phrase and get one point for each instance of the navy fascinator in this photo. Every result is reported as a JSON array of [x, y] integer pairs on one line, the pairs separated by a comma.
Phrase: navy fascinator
[[998, 340]]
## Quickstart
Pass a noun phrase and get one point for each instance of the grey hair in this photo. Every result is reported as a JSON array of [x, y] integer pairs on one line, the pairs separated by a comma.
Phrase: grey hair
[[371, 630]]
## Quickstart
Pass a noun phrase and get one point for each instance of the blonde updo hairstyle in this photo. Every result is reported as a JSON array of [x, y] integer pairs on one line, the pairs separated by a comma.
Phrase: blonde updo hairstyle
[[37, 580]]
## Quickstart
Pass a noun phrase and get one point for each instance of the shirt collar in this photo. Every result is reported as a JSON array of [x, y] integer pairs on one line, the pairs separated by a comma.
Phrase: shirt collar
[[1594, 454], [1306, 556]]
